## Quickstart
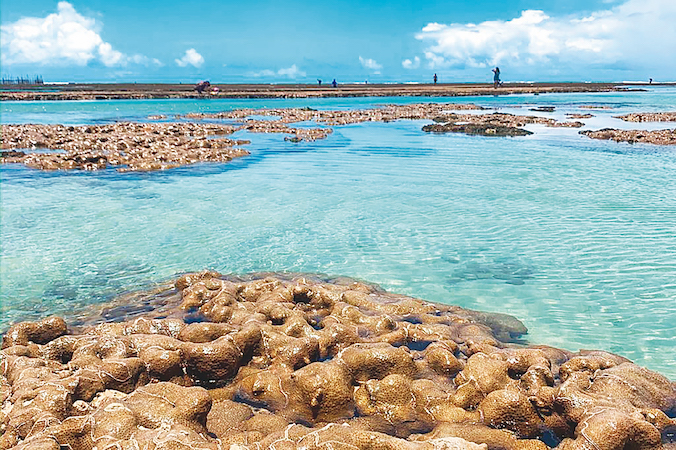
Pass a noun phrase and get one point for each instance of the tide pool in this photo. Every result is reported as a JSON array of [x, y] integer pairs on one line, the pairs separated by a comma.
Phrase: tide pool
[[575, 237]]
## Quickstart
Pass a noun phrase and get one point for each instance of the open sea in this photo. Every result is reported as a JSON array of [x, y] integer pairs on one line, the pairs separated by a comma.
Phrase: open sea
[[575, 237]]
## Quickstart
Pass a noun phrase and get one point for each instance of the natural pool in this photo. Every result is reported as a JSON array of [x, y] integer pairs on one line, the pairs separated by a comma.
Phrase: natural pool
[[575, 237]]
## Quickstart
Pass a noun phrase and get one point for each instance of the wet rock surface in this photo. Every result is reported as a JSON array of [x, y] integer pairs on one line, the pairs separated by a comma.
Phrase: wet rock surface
[[283, 361], [579, 116], [477, 129], [658, 137], [496, 124], [649, 117], [156, 146], [385, 113], [543, 109], [109, 91], [127, 146]]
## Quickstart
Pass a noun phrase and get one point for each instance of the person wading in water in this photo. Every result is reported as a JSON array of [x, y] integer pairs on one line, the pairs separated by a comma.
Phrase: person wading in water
[[496, 78]]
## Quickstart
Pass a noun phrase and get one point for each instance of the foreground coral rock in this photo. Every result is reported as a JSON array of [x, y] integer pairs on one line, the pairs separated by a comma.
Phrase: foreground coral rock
[[272, 362]]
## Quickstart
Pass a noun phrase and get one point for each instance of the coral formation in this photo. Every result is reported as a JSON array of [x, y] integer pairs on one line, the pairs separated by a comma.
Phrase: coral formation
[[477, 129], [129, 146], [649, 117], [157, 146], [496, 124], [299, 362], [659, 137], [108, 91]]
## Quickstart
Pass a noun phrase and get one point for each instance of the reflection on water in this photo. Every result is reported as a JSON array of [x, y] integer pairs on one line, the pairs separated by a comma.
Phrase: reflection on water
[[574, 237]]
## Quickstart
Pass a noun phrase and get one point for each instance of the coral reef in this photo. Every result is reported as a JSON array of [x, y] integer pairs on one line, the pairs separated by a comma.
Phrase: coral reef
[[649, 117], [496, 124], [477, 129], [108, 91], [273, 361], [659, 137], [157, 146], [129, 146]]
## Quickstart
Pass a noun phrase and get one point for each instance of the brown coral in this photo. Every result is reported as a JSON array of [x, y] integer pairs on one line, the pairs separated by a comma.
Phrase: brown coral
[[297, 362]]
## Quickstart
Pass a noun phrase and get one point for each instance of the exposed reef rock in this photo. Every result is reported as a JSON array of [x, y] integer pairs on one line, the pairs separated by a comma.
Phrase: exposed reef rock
[[659, 137], [543, 109], [579, 116], [157, 146], [477, 129], [386, 113], [496, 124], [603, 107], [272, 362], [649, 117], [128, 146], [107, 91]]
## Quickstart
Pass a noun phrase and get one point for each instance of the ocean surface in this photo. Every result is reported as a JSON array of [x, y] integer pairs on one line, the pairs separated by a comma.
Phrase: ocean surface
[[573, 236]]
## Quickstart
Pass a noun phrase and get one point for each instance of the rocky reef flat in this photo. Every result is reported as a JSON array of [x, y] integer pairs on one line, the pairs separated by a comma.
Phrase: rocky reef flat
[[496, 124], [128, 146], [649, 117], [75, 91], [162, 145], [274, 361], [658, 137]]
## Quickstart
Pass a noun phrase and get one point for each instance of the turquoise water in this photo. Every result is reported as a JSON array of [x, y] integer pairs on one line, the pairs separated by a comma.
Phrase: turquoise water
[[575, 237]]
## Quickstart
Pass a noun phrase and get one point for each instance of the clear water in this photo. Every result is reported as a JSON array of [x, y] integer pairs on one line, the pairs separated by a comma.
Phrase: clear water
[[575, 237]]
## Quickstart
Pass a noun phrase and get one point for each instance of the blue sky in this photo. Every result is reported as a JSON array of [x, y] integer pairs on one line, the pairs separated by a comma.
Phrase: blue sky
[[300, 41]]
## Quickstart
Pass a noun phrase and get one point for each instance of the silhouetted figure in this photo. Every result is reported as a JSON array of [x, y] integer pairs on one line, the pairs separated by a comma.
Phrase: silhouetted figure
[[319, 82], [202, 86], [333, 83], [435, 78], [496, 77], [651, 81]]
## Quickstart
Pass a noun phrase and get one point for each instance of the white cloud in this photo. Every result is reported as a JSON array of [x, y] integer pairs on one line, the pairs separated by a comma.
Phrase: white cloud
[[144, 60], [191, 57], [292, 72], [371, 64], [408, 64], [634, 33], [108, 56], [62, 38]]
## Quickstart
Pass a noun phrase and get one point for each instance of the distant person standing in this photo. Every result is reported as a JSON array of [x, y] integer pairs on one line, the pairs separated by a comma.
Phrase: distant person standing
[[435, 78], [651, 81], [334, 83], [496, 77], [319, 82]]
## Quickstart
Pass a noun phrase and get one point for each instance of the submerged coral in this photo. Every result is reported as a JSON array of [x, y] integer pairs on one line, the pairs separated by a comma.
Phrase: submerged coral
[[298, 362]]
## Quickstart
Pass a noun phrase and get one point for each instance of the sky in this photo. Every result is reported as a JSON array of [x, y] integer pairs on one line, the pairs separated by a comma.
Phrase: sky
[[299, 41]]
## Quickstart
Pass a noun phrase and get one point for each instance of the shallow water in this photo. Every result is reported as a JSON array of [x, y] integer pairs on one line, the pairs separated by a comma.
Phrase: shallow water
[[575, 237]]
